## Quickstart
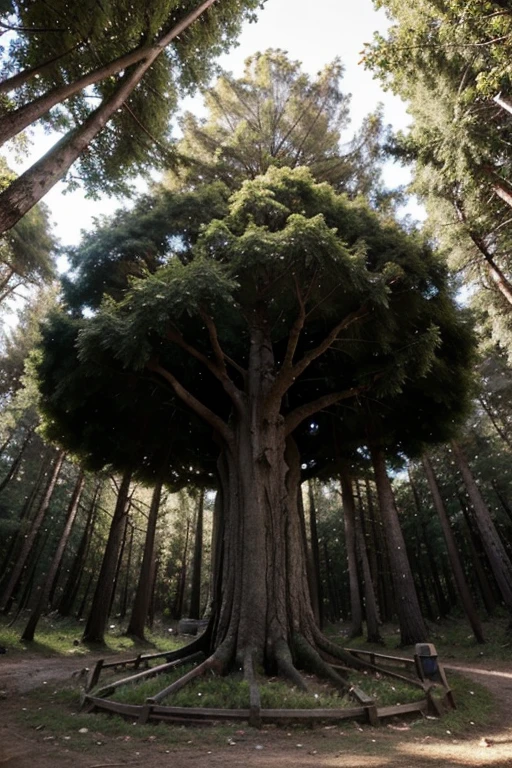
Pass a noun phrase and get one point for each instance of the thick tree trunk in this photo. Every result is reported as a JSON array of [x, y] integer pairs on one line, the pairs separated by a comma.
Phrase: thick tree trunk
[[32, 185], [98, 615], [453, 554], [494, 549], [7, 596], [412, 626], [143, 594], [195, 589], [44, 593], [349, 521]]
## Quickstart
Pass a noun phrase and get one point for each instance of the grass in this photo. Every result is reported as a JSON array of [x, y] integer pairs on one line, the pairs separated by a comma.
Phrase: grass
[[57, 636], [232, 692]]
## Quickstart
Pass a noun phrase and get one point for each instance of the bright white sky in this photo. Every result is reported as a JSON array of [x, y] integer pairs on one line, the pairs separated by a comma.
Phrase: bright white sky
[[336, 28]]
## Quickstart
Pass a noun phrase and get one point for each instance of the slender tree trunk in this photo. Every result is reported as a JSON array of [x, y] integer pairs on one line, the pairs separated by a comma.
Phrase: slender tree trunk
[[127, 577], [179, 599], [19, 79], [73, 581], [494, 549], [486, 590], [349, 520], [412, 626], [85, 596], [119, 564], [98, 615], [7, 596], [318, 598], [372, 612], [143, 595], [152, 590], [23, 193], [195, 591], [453, 554], [13, 469], [42, 600]]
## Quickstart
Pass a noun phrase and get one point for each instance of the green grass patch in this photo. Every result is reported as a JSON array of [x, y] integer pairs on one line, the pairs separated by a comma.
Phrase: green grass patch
[[232, 692], [57, 636]]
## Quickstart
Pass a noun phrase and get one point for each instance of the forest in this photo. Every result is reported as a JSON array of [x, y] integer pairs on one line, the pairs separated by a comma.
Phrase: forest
[[258, 401]]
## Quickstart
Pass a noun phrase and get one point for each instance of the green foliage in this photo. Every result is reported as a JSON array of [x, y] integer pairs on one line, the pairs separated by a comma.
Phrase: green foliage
[[74, 41], [275, 115], [449, 61]]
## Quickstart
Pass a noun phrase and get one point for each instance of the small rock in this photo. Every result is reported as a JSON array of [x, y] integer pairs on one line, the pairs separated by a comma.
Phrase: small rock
[[83, 730]]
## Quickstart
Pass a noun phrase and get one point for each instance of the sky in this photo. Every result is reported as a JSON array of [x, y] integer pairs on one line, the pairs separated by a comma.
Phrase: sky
[[338, 28]]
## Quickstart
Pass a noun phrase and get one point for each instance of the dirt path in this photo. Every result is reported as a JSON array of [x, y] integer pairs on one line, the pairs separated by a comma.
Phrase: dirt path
[[391, 746]]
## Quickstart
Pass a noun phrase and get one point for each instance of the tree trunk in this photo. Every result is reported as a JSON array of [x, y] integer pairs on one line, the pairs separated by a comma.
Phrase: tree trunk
[[143, 595], [453, 554], [371, 609], [13, 469], [42, 600], [494, 549], [7, 596], [349, 520], [23, 193], [195, 591], [317, 594], [98, 615], [127, 576], [179, 599], [73, 581], [412, 626]]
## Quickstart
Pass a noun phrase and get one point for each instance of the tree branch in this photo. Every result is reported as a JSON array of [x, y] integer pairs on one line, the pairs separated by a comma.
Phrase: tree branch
[[219, 353], [219, 370], [286, 377], [294, 418], [211, 418]]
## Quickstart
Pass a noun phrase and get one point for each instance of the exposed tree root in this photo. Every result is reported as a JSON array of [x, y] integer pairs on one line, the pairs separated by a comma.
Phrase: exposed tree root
[[182, 681], [338, 653], [201, 643], [286, 667], [311, 659]]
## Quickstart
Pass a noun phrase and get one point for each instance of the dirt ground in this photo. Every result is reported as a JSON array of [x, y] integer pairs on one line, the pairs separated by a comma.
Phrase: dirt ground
[[390, 746]]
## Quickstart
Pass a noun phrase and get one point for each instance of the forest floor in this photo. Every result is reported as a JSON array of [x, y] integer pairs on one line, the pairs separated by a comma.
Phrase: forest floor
[[40, 727]]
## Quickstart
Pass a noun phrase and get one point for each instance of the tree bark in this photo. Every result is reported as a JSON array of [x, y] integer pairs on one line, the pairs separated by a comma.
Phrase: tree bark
[[371, 609], [32, 185], [453, 554], [42, 601], [7, 596], [412, 626], [73, 581], [195, 590], [349, 521], [96, 623], [13, 469], [143, 595], [494, 549], [317, 592]]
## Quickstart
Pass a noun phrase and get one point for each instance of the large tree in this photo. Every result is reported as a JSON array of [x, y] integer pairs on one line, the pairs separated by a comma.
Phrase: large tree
[[114, 72], [294, 301]]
